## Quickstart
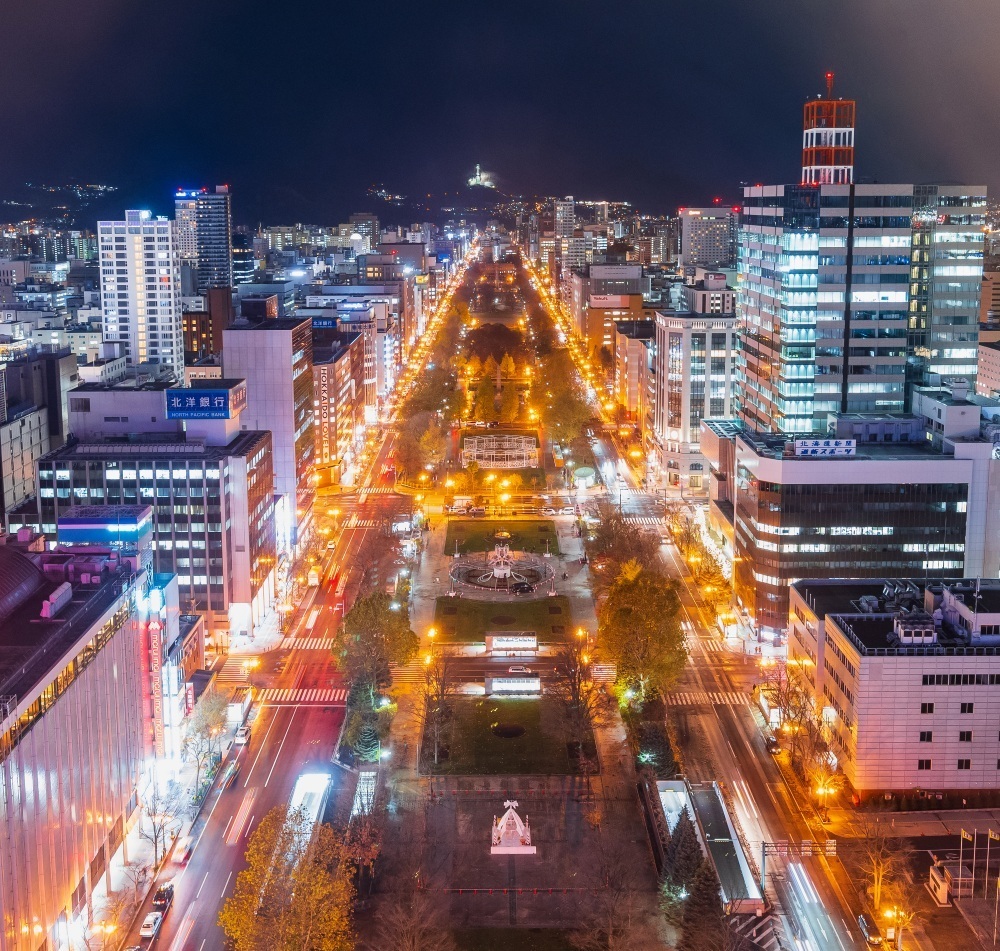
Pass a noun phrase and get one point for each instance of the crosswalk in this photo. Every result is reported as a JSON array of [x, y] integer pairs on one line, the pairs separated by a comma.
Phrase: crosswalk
[[711, 645], [604, 673], [232, 672], [646, 521], [410, 674], [355, 522], [307, 643], [380, 490], [689, 698], [276, 695]]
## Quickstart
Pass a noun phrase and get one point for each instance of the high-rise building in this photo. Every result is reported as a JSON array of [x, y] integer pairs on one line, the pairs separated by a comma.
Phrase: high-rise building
[[205, 235], [693, 371], [564, 217], [244, 260], [140, 290], [709, 237], [851, 295]]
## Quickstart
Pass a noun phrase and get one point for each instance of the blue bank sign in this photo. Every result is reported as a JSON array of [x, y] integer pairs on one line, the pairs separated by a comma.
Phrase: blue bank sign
[[190, 403]]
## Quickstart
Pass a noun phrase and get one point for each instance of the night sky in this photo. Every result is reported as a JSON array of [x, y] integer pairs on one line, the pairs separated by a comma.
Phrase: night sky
[[299, 106]]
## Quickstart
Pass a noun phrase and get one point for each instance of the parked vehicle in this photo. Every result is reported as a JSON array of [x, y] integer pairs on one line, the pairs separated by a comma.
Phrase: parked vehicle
[[163, 897], [567, 510], [522, 587], [242, 736], [518, 669], [151, 924], [870, 930]]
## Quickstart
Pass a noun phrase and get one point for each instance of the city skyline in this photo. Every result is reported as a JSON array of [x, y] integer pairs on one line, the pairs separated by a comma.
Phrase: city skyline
[[292, 153]]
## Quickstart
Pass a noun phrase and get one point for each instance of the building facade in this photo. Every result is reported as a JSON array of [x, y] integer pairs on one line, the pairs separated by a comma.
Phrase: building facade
[[73, 739], [141, 291], [205, 235], [907, 673], [850, 295]]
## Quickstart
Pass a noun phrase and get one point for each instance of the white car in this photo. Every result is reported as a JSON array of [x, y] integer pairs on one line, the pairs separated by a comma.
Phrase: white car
[[548, 510], [518, 669], [150, 925], [242, 736], [567, 510]]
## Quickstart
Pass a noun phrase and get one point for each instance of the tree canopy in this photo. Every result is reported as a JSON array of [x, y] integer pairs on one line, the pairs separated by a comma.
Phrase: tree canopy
[[296, 892], [639, 629]]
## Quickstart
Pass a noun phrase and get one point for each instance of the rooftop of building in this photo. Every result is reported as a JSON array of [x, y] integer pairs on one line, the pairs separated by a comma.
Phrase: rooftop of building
[[270, 325], [155, 445], [782, 446], [30, 644], [641, 329], [876, 614]]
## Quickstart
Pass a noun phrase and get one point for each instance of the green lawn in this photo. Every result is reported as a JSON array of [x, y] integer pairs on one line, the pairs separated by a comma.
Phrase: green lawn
[[460, 619], [478, 535], [474, 750], [507, 939]]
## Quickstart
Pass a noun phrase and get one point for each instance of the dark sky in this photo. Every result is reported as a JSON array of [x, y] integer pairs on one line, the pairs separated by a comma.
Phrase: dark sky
[[299, 106]]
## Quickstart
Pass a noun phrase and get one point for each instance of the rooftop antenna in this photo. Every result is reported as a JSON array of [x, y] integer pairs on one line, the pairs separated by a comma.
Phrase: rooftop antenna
[[829, 85]]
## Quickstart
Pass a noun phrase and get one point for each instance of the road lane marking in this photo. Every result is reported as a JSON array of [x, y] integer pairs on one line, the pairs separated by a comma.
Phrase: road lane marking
[[224, 887], [225, 832], [201, 886], [260, 750], [249, 825], [277, 755]]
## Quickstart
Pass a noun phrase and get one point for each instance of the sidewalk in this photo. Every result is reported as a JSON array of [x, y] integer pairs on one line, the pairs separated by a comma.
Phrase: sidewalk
[[120, 897]]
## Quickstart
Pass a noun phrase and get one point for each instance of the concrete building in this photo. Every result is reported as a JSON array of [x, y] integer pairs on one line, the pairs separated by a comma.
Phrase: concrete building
[[275, 357], [338, 401], [74, 735], [209, 481], [634, 343], [890, 496], [988, 377], [693, 369], [907, 673], [708, 237], [140, 290]]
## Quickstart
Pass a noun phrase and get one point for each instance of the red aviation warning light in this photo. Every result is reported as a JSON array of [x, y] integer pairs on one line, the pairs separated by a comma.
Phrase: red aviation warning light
[[828, 139]]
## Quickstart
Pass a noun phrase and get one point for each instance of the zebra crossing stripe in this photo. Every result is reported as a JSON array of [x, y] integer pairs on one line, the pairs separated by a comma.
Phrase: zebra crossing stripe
[[702, 697], [307, 643], [282, 695]]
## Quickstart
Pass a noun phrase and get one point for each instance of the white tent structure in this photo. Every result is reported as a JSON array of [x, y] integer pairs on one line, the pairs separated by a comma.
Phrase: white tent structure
[[511, 835]]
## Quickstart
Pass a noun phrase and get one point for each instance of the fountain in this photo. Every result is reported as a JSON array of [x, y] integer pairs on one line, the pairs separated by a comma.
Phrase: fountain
[[503, 570]]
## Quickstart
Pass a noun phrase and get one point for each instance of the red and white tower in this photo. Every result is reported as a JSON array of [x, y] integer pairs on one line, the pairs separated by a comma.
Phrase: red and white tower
[[828, 139]]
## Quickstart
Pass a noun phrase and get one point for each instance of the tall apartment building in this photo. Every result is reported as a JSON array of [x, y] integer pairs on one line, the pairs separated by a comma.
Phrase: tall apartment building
[[275, 357], [141, 290], [564, 217], [708, 237], [693, 373], [205, 235]]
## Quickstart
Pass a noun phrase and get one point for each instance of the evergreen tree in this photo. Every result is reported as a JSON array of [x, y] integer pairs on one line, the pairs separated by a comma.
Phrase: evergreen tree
[[703, 925], [683, 857], [490, 367]]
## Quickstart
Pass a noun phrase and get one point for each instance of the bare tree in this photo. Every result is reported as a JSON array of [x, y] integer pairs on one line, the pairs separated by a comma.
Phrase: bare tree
[[584, 703], [205, 729], [413, 922], [882, 854], [614, 923], [136, 874], [161, 810], [438, 693], [364, 839], [104, 931]]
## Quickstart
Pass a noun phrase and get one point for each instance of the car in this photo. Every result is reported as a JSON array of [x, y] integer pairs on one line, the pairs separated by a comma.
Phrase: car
[[772, 745], [493, 424], [331, 545], [242, 735], [548, 510], [522, 587], [567, 510], [151, 924], [518, 669], [870, 931], [163, 897]]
